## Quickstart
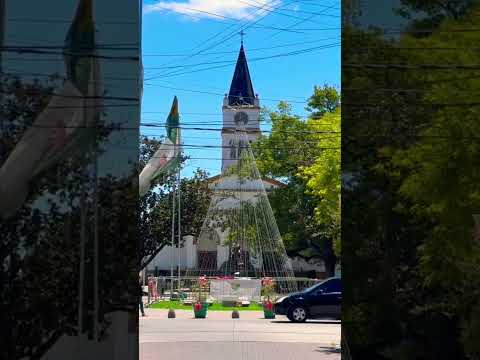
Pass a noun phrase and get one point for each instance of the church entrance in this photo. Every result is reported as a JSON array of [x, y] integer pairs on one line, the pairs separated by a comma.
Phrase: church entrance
[[207, 261], [207, 252]]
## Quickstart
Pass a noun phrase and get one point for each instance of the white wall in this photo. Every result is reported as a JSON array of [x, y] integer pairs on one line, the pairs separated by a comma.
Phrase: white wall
[[163, 260], [300, 264]]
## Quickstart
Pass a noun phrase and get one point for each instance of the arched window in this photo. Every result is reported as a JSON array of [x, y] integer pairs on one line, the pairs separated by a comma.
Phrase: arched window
[[233, 149]]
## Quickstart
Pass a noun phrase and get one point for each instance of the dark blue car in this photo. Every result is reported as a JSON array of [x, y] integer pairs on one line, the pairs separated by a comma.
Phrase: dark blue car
[[323, 300]]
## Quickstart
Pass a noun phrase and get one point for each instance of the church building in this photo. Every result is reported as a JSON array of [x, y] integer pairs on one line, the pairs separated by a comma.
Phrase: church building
[[241, 114]]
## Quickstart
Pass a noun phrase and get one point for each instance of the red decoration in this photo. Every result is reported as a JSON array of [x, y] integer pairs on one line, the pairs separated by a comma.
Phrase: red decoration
[[203, 281], [268, 305], [267, 281], [197, 306]]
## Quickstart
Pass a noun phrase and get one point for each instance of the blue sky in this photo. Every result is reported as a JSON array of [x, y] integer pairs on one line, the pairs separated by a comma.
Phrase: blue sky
[[193, 45]]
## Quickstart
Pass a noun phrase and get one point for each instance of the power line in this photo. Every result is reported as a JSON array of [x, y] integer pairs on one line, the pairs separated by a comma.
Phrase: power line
[[119, 127], [410, 31], [264, 122], [290, 27], [33, 50], [250, 50], [309, 3], [210, 114], [302, 20], [414, 66], [277, 11], [117, 46], [228, 18], [219, 94], [197, 146], [57, 76], [434, 48], [299, 140], [250, 60], [120, 98], [136, 99], [433, 105], [65, 21], [261, 131], [217, 89], [206, 41], [213, 158], [231, 34], [293, 53], [406, 90]]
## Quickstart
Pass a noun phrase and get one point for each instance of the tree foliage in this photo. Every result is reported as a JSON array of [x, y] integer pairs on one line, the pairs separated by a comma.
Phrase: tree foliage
[[413, 189], [41, 241], [324, 100], [323, 176], [156, 207], [292, 153]]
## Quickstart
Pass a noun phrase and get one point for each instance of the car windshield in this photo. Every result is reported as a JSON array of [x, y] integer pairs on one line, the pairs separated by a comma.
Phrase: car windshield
[[313, 287]]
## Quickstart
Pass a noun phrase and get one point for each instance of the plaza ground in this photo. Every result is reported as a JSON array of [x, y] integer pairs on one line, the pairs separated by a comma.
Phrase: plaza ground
[[250, 337]]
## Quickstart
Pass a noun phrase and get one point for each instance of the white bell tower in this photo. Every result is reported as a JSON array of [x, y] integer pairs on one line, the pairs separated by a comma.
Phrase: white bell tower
[[241, 111]]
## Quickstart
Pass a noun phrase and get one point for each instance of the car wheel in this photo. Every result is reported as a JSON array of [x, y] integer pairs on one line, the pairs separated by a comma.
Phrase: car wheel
[[297, 314]]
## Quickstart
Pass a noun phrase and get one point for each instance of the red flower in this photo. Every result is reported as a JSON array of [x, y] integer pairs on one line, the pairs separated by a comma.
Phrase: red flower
[[267, 281], [268, 305], [203, 281], [197, 306]]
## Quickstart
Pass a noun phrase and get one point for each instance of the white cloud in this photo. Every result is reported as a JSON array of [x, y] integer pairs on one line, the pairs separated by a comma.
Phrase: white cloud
[[244, 9]]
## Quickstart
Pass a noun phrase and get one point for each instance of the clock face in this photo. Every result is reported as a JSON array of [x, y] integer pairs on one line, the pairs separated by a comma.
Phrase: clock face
[[241, 118]]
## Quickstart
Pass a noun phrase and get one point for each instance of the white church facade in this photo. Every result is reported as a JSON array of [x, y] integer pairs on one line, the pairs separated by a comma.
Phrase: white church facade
[[241, 112]]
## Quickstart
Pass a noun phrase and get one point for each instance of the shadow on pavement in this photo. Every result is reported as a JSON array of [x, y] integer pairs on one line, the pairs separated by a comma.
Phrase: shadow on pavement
[[329, 350], [329, 322]]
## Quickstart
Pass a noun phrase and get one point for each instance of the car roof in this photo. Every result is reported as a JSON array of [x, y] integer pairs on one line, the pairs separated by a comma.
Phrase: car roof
[[325, 280]]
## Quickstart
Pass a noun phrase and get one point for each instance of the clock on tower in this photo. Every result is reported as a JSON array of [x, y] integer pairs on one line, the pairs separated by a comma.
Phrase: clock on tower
[[241, 118], [241, 111]]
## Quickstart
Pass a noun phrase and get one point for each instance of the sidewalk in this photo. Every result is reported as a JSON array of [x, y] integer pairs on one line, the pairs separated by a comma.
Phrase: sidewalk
[[250, 337]]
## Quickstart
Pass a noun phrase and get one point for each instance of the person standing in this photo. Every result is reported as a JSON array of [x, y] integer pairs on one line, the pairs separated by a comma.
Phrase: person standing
[[140, 294]]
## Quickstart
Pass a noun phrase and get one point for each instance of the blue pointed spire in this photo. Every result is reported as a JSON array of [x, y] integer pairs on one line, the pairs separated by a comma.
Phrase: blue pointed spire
[[241, 89]]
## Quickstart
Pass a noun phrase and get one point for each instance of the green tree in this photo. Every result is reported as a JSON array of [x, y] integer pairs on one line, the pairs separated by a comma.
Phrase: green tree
[[438, 180], [156, 206], [292, 147], [411, 193], [41, 240], [324, 100], [323, 176]]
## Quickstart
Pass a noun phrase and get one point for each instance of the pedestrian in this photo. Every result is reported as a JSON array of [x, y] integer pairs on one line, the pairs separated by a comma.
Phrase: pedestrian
[[140, 294]]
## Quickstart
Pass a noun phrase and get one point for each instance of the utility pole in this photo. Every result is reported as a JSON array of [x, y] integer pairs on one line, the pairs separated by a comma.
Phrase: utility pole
[[172, 256], [96, 303], [179, 224], [83, 222]]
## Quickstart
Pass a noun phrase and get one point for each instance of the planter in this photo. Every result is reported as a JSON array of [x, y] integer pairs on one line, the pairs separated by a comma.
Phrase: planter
[[269, 314], [200, 310]]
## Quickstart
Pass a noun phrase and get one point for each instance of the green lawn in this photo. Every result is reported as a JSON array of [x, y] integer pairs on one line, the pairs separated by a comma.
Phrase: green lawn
[[213, 307]]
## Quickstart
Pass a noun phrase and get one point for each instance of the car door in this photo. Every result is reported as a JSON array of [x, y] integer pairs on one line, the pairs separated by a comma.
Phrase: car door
[[326, 299]]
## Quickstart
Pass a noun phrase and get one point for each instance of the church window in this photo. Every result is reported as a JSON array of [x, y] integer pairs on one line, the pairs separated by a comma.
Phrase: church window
[[241, 118], [233, 149]]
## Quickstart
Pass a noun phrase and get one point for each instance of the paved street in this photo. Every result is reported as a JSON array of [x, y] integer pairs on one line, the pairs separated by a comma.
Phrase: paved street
[[250, 337]]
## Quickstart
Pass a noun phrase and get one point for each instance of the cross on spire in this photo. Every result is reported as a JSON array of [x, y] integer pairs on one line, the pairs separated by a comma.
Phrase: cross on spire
[[242, 34]]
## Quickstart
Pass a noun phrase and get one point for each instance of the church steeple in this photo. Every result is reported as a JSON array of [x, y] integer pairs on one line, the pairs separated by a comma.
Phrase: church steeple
[[241, 89]]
